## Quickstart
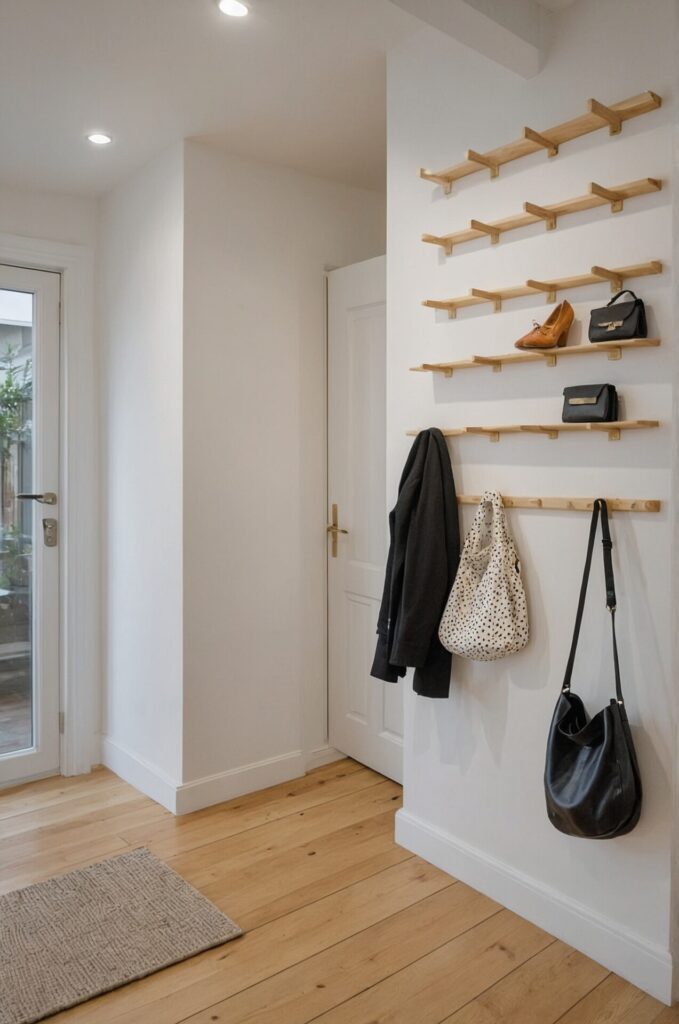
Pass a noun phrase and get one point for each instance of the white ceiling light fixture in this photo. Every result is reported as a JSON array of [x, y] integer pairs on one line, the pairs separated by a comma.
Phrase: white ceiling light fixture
[[234, 8], [99, 138]]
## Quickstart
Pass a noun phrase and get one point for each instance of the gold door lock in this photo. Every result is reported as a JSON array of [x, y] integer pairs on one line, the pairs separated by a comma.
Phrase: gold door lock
[[334, 529]]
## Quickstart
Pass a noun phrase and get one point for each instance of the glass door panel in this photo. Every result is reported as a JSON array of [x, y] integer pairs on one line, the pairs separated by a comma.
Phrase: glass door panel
[[29, 561], [16, 528]]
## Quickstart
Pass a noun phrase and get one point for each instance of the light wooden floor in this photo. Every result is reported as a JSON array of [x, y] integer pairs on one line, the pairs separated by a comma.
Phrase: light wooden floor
[[342, 926]]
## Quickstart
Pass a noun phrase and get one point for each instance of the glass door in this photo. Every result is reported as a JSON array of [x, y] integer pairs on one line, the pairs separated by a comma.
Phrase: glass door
[[29, 559]]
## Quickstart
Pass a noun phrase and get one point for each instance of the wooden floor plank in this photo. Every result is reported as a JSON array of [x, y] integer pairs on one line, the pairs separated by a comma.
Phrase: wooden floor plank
[[311, 872], [342, 926], [614, 1000], [304, 992], [95, 825], [280, 944], [216, 859], [441, 982], [56, 789], [90, 803], [538, 992]]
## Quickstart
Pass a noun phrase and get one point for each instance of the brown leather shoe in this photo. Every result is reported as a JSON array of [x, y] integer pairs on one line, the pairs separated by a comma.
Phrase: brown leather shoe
[[554, 331]]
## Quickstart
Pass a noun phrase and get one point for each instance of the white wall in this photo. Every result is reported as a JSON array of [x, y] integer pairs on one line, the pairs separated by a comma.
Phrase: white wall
[[213, 377], [48, 216], [141, 464], [473, 765], [258, 238]]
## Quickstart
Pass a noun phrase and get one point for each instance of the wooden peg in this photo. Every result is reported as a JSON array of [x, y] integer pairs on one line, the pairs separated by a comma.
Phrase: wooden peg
[[479, 158], [615, 353], [614, 434], [488, 229], [616, 199], [606, 114], [541, 140], [543, 286], [548, 216], [610, 275], [550, 358], [480, 293]]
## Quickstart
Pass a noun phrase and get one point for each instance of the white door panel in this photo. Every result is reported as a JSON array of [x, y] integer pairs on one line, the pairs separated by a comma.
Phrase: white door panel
[[366, 717]]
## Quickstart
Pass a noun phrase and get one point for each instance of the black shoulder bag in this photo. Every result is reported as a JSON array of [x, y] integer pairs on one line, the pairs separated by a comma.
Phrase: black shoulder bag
[[592, 781]]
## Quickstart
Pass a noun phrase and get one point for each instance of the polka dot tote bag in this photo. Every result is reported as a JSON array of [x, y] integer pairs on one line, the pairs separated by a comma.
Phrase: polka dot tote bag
[[486, 616]]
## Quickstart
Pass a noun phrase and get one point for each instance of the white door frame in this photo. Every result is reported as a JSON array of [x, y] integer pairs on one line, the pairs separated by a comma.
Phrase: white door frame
[[78, 493]]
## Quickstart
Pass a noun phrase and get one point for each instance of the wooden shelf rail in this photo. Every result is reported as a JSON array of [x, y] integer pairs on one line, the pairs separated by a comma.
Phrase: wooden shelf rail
[[598, 116], [548, 356], [497, 296], [552, 430], [569, 504], [549, 215]]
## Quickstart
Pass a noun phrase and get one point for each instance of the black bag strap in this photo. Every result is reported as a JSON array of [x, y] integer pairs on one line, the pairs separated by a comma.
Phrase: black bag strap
[[600, 506], [625, 291]]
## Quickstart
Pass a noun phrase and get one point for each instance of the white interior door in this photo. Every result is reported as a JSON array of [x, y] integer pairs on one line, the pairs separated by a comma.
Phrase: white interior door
[[29, 558], [365, 714]]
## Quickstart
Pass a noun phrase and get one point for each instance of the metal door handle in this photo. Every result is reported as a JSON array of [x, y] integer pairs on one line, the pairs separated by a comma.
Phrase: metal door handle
[[334, 529], [48, 498]]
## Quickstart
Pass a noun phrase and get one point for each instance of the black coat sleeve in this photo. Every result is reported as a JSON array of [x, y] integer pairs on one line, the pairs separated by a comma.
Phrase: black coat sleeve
[[425, 579]]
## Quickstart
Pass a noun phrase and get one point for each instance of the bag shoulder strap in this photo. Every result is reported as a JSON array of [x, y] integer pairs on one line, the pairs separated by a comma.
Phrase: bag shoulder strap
[[600, 507], [625, 291]]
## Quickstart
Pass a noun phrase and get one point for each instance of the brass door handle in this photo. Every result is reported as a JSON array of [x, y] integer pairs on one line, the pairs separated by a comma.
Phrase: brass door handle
[[334, 529]]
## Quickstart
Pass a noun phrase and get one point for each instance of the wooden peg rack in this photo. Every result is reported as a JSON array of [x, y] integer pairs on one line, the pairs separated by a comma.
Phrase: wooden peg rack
[[569, 504], [548, 356], [552, 431], [496, 297], [533, 214], [550, 139]]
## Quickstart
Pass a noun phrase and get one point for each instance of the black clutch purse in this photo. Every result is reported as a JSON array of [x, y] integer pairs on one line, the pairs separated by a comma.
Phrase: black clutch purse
[[592, 780], [618, 320], [590, 403]]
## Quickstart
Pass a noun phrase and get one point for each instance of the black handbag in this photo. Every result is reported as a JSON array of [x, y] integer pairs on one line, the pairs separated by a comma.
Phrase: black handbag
[[590, 403], [618, 322], [592, 781]]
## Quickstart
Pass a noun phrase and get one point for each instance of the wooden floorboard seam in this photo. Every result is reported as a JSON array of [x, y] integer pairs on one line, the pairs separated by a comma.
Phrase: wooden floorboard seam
[[324, 949], [335, 892]]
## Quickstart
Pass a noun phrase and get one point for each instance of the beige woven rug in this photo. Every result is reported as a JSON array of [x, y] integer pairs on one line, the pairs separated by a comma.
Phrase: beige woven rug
[[73, 937]]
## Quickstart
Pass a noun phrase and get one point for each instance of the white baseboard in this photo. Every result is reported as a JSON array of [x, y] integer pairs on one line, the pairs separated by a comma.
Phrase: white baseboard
[[619, 949], [182, 798], [322, 755], [213, 789], [144, 776]]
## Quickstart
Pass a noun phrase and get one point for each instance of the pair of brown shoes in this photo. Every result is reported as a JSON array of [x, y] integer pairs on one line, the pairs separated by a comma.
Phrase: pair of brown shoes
[[553, 333]]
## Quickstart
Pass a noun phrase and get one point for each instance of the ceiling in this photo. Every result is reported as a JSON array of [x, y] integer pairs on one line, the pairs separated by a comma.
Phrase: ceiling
[[298, 82]]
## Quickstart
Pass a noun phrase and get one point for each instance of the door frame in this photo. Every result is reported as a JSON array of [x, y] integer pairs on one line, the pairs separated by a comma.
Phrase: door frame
[[79, 501]]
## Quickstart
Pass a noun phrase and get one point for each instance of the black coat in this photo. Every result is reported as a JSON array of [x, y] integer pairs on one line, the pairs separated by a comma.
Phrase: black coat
[[424, 553]]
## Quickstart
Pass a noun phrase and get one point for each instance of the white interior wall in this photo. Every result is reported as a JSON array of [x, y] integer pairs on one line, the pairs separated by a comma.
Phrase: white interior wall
[[141, 467], [257, 240], [474, 802], [48, 216], [213, 459]]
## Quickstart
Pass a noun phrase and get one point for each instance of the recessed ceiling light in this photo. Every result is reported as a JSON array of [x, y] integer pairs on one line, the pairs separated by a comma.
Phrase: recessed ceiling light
[[234, 8], [99, 138]]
